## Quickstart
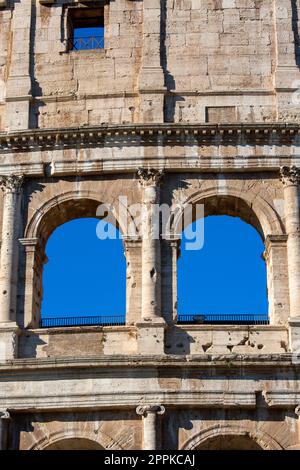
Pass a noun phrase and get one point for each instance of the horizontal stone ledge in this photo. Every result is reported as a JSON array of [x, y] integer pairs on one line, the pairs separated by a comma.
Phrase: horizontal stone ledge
[[261, 361], [133, 94], [282, 398], [173, 164], [78, 329], [168, 163], [272, 133], [128, 400], [26, 169]]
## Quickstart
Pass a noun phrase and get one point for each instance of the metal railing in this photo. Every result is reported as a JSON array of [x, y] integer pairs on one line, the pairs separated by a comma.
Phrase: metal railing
[[100, 320], [191, 319], [85, 43], [224, 319]]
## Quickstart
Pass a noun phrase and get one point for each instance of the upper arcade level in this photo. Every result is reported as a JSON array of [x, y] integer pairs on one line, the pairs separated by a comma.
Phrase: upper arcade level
[[71, 64]]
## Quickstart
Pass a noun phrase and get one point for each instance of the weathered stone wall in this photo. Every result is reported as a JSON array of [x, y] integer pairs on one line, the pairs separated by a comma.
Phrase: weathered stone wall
[[52, 202], [88, 87], [99, 428], [215, 50], [210, 61], [205, 401], [179, 430], [5, 50], [179, 340], [166, 64]]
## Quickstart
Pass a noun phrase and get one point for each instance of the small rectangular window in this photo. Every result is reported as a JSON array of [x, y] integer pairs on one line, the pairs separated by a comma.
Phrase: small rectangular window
[[85, 28]]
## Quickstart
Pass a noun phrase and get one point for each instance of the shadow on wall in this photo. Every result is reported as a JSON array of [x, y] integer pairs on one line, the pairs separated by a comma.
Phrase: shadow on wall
[[36, 90], [295, 26], [170, 98]]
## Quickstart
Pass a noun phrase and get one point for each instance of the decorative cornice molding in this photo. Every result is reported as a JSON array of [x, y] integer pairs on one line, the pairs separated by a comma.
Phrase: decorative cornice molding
[[290, 175], [139, 134], [236, 361], [11, 183], [128, 399], [149, 176], [282, 398]]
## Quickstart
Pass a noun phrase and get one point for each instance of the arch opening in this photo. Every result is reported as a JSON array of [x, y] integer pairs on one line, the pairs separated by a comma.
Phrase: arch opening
[[54, 216], [229, 442], [83, 275], [224, 280], [74, 444]]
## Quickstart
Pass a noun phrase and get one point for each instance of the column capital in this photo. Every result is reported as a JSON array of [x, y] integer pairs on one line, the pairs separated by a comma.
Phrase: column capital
[[149, 176], [297, 411], [290, 175], [144, 410], [5, 414], [11, 183]]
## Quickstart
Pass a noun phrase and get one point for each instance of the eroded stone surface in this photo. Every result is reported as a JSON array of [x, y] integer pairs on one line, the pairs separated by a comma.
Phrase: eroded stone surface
[[203, 94]]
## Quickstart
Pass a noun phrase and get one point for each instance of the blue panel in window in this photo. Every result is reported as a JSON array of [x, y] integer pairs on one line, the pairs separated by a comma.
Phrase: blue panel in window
[[88, 38]]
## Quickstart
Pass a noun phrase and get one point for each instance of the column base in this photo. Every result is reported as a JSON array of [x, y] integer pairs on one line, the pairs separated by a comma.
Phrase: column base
[[151, 337], [294, 337], [9, 333]]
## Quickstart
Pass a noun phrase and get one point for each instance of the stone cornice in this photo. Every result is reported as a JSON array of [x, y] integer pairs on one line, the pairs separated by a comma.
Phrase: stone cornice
[[144, 400], [230, 361], [147, 134], [282, 398]]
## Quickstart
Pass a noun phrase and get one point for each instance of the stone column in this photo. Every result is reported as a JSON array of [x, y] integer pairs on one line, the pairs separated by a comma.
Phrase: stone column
[[150, 414], [4, 422], [275, 256], [151, 266], [290, 177], [133, 254], [170, 255], [34, 258], [11, 186]]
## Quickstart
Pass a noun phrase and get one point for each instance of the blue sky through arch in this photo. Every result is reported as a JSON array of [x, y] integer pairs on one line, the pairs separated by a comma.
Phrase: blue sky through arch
[[84, 275], [228, 276], [87, 276]]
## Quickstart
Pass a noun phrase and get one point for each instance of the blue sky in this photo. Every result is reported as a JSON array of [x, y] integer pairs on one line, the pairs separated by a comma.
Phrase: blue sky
[[87, 276]]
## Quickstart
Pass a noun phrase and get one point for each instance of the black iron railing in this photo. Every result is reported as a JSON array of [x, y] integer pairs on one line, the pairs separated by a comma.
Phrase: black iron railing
[[191, 319], [100, 320], [224, 319], [85, 43]]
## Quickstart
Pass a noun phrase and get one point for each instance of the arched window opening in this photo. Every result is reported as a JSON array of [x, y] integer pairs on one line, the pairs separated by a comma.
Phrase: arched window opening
[[84, 280], [225, 442], [74, 444], [225, 281]]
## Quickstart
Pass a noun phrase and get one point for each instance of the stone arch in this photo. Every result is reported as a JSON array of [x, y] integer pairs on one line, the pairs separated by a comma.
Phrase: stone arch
[[85, 203], [253, 209], [102, 440], [263, 439], [47, 217], [249, 206]]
